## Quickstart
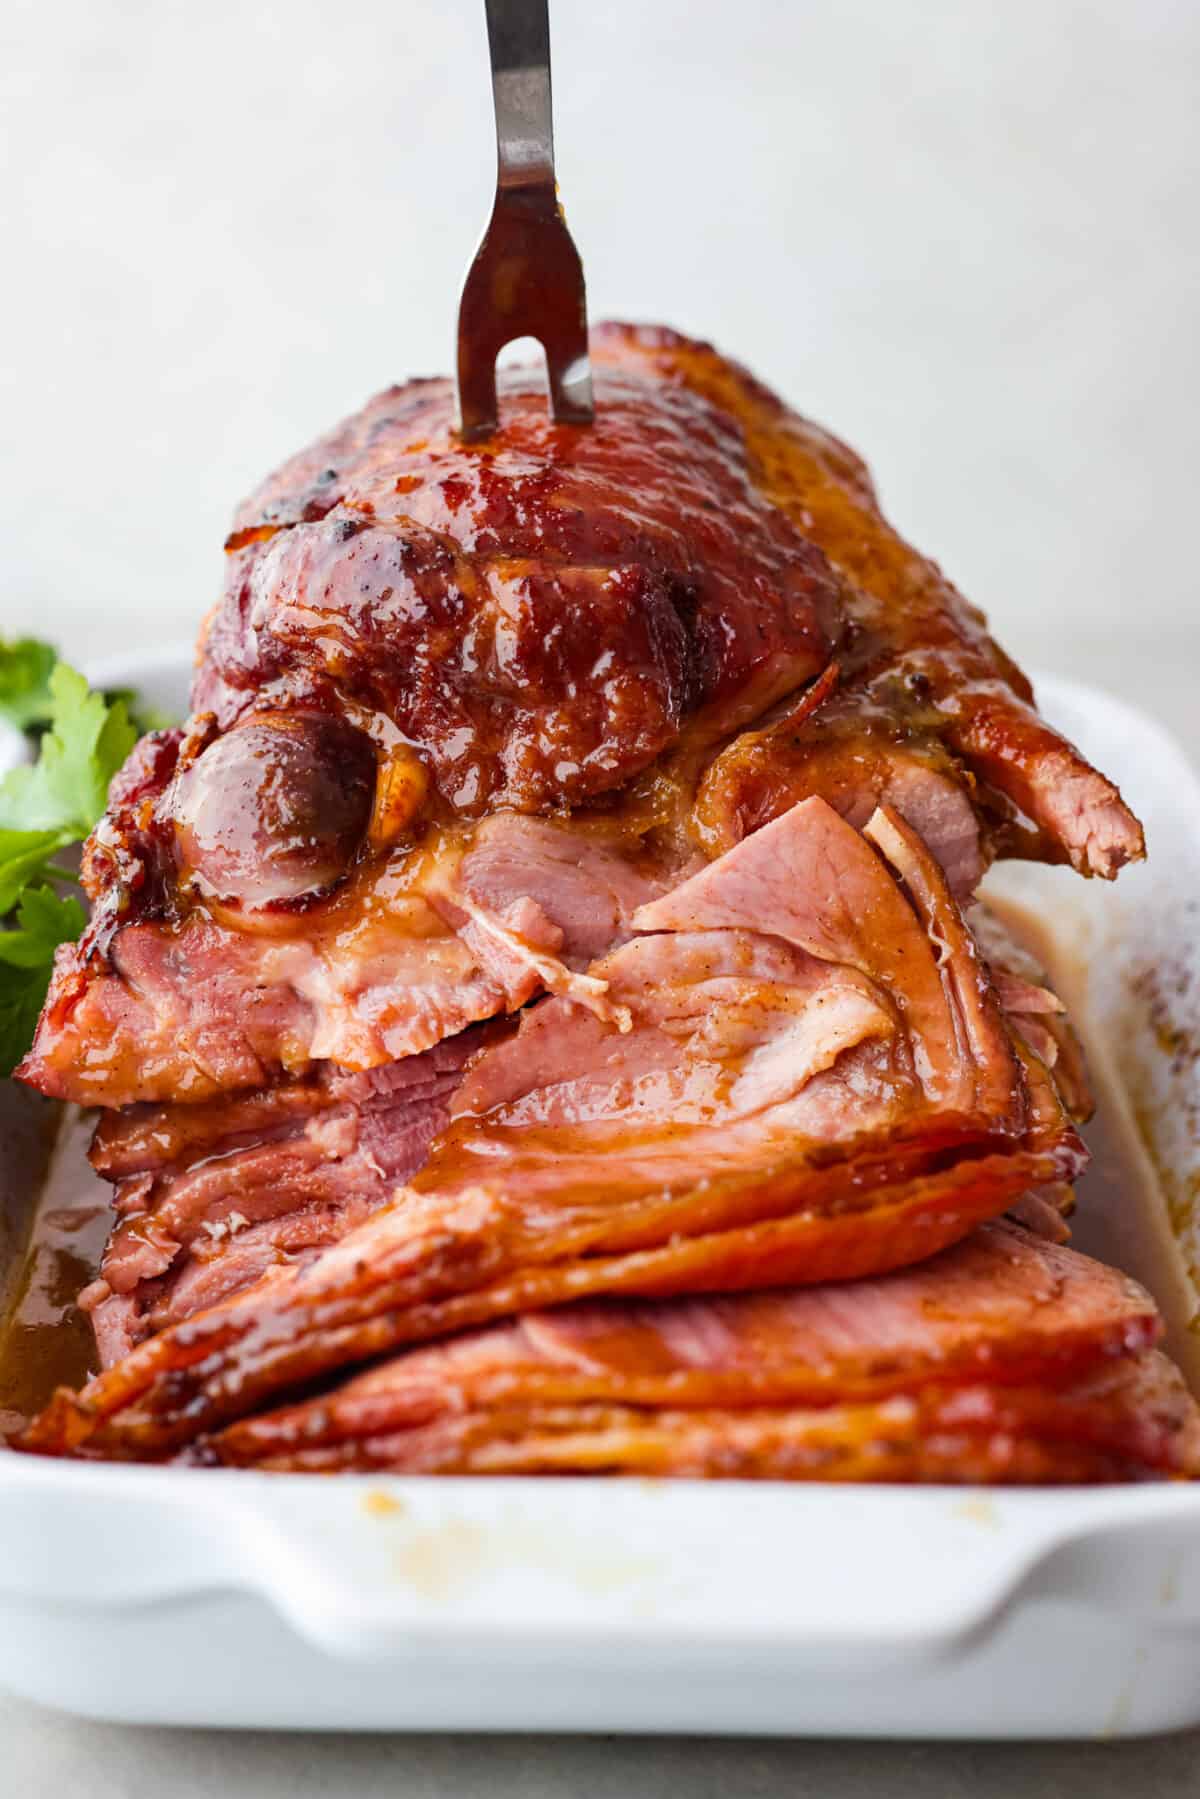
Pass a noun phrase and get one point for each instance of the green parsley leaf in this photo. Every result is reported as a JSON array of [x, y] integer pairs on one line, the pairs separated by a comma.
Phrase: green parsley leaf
[[65, 791], [67, 787], [25, 857], [45, 806], [26, 665], [25, 669], [26, 959]]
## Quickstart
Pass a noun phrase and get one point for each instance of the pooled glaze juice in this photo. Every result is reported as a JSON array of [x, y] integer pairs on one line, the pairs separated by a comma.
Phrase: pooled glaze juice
[[46, 1341]]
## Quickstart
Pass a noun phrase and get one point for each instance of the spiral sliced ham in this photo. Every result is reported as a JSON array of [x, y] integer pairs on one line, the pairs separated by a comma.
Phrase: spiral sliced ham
[[1001, 1359], [805, 1077], [674, 626], [552, 909]]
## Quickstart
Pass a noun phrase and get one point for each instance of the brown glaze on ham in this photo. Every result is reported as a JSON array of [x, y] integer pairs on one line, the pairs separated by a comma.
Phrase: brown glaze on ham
[[210, 1196], [557, 621], [826, 750], [275, 810], [1135, 1421], [539, 615], [917, 664], [419, 946], [1004, 1358], [813, 1081], [657, 735]]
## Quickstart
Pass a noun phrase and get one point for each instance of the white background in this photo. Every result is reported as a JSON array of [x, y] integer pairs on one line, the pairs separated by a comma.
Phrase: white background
[[965, 235]]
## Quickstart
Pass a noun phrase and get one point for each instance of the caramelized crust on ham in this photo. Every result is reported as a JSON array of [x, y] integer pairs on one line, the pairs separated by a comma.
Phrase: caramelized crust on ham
[[211, 1194], [1001, 1306], [918, 673], [1135, 1421], [813, 1081], [1003, 1359], [554, 901], [569, 622], [540, 615]]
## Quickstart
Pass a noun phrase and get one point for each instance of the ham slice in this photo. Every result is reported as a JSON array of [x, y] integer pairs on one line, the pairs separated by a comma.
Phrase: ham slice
[[817, 1084], [209, 1197], [1136, 1422], [472, 924], [1002, 1358]]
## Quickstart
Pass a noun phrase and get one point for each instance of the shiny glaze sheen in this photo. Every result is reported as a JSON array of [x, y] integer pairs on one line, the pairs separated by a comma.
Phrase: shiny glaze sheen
[[542, 613], [275, 810], [580, 621]]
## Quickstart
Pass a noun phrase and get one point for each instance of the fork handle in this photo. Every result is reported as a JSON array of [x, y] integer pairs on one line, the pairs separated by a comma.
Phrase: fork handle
[[519, 41]]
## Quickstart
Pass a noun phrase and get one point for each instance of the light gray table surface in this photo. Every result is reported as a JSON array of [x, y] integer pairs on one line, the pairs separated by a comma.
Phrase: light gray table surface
[[44, 1755]]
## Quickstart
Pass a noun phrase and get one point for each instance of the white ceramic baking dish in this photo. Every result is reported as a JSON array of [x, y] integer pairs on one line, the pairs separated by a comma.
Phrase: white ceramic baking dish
[[239, 1599]]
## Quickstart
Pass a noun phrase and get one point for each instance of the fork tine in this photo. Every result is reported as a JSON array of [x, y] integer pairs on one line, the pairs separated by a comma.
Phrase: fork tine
[[526, 279]]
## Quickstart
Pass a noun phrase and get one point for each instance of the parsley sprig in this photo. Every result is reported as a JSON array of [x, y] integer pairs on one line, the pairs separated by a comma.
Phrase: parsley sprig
[[44, 919], [46, 806], [26, 666]]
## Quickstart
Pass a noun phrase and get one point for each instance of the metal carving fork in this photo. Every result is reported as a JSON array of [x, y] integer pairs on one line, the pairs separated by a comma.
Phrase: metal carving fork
[[526, 279]]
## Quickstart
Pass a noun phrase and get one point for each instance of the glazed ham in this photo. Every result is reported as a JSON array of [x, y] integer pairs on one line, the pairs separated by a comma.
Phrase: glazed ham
[[1135, 1421], [208, 1197], [559, 902], [804, 1076], [669, 627], [210, 1194], [471, 926], [1003, 1359], [921, 690]]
